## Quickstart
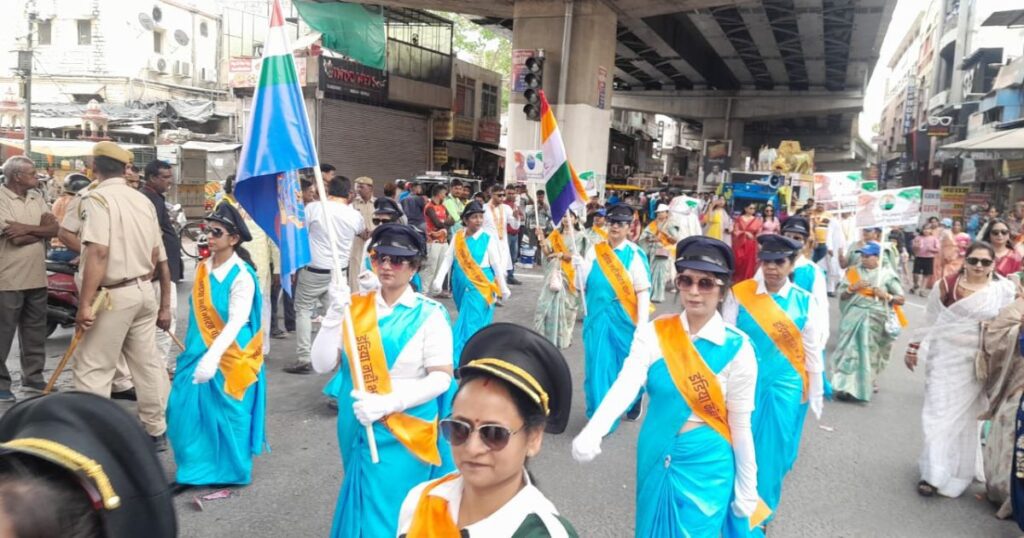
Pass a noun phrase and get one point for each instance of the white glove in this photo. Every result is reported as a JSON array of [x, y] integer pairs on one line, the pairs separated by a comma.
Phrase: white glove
[[341, 296], [368, 281], [369, 408], [506, 294], [744, 508], [816, 396], [586, 446], [206, 369]]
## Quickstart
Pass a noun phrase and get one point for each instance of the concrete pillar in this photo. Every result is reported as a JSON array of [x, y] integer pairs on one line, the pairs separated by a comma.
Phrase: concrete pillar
[[585, 116]]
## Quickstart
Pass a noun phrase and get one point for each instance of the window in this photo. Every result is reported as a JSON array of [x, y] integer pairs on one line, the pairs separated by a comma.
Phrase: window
[[85, 32], [489, 101], [204, 29], [158, 41], [44, 31], [465, 97]]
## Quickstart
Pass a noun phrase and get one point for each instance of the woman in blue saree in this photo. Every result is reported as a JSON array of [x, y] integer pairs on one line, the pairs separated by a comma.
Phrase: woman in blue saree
[[696, 466], [405, 364], [217, 406]]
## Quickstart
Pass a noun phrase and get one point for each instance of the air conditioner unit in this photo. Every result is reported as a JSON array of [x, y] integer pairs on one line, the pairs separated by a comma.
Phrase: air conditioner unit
[[209, 75], [158, 64], [182, 69]]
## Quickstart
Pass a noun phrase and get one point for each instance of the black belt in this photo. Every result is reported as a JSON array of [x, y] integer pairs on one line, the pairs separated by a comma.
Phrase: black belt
[[319, 271]]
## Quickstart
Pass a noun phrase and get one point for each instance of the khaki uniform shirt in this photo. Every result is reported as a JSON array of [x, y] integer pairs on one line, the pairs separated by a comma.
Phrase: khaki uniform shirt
[[21, 267], [124, 220]]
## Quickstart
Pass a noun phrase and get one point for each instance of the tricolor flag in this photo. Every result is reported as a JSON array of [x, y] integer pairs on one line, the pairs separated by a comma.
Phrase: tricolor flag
[[563, 186], [278, 142]]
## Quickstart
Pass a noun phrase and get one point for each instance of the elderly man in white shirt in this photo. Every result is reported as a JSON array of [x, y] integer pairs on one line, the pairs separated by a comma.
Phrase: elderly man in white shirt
[[314, 280]]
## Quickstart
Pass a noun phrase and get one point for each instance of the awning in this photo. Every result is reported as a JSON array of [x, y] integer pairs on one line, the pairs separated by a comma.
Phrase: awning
[[499, 152], [61, 148], [1012, 17], [210, 147], [1007, 144]]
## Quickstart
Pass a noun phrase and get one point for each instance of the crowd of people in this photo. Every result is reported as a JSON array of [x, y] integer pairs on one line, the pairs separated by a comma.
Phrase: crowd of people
[[437, 419]]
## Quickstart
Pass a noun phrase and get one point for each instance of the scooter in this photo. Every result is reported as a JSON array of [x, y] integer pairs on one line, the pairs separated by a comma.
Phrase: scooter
[[61, 295]]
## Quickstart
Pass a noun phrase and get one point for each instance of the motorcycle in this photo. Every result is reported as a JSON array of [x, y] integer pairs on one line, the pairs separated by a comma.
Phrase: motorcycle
[[61, 295]]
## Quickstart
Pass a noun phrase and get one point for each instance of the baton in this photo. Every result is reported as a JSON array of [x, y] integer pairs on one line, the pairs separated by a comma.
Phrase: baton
[[177, 342], [99, 302]]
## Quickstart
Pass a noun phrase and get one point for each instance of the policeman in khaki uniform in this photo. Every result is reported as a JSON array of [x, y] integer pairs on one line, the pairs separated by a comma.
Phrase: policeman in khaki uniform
[[121, 251], [70, 235]]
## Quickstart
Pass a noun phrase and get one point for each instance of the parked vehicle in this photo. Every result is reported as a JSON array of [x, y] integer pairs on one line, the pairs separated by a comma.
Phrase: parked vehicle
[[61, 295]]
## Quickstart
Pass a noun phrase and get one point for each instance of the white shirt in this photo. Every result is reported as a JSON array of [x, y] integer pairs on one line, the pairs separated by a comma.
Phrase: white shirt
[[501, 524], [637, 271], [738, 379], [347, 223], [810, 334], [430, 346], [243, 289], [502, 211], [492, 258], [819, 293]]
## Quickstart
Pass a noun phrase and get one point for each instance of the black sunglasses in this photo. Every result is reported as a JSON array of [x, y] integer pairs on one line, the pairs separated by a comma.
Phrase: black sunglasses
[[704, 285], [217, 232], [1000, 232], [392, 260], [781, 261], [984, 262], [493, 436], [378, 221]]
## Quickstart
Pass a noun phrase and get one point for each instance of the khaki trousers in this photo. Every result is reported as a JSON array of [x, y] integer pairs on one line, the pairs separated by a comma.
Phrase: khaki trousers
[[126, 329], [163, 340], [435, 256]]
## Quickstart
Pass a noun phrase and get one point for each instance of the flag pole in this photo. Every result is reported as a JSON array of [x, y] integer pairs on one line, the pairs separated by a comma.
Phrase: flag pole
[[336, 279]]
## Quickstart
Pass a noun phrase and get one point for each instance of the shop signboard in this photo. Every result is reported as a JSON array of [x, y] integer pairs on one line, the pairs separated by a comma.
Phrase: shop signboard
[[463, 127], [602, 86], [891, 207], [443, 129], [930, 205], [245, 72], [488, 130], [951, 201], [529, 165], [968, 173], [351, 80]]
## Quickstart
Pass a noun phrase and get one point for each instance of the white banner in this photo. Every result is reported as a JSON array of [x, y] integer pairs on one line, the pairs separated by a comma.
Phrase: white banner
[[893, 207]]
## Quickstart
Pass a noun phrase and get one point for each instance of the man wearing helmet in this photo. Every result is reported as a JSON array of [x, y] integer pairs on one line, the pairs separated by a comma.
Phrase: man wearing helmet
[[73, 183]]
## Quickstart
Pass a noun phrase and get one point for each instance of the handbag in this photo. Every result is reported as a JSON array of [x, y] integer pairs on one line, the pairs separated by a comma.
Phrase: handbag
[[555, 280], [892, 324]]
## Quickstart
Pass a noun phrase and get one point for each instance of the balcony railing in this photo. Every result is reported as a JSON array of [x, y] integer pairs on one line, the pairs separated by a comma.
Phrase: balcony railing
[[417, 63]]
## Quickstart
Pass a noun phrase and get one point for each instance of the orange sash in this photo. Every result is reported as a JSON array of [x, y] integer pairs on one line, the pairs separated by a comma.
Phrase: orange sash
[[696, 382], [558, 245], [488, 290], [240, 367], [499, 219], [416, 434], [431, 518], [698, 385], [601, 232], [775, 323], [666, 241], [618, 278], [854, 277]]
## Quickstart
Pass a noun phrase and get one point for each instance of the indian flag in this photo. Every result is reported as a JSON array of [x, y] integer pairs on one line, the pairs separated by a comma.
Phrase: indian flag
[[563, 186], [277, 143]]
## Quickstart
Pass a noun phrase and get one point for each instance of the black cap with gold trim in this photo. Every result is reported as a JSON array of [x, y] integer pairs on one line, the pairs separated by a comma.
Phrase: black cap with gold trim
[[104, 450], [527, 361]]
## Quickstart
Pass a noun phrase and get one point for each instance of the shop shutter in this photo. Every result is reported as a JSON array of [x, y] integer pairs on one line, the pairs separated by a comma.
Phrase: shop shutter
[[364, 140]]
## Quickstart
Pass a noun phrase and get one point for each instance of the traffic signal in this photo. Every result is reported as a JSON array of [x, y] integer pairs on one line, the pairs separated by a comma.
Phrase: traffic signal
[[533, 80]]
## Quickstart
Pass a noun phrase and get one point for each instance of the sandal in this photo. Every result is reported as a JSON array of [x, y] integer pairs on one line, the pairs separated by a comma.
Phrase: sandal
[[925, 489]]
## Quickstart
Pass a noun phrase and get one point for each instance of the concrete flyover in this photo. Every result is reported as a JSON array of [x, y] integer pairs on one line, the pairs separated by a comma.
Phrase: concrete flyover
[[748, 70]]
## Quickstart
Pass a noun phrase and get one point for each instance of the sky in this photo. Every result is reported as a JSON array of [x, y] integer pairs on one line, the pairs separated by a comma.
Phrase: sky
[[874, 97]]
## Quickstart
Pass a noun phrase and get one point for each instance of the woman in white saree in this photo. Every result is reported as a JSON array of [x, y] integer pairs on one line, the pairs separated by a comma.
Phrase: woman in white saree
[[948, 343]]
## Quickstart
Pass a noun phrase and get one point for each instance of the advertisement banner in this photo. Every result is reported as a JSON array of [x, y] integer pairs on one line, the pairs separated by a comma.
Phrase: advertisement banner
[[519, 57], [353, 80], [930, 204], [245, 72], [529, 165], [602, 87], [892, 207], [715, 164], [833, 186], [951, 201]]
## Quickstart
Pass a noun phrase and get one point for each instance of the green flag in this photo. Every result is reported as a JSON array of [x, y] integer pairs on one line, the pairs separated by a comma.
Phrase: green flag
[[355, 30]]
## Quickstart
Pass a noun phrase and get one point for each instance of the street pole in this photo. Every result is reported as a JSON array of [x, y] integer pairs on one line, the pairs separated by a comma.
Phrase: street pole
[[25, 65]]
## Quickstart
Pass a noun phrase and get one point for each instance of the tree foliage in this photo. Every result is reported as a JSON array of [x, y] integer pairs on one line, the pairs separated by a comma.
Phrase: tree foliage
[[484, 47]]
